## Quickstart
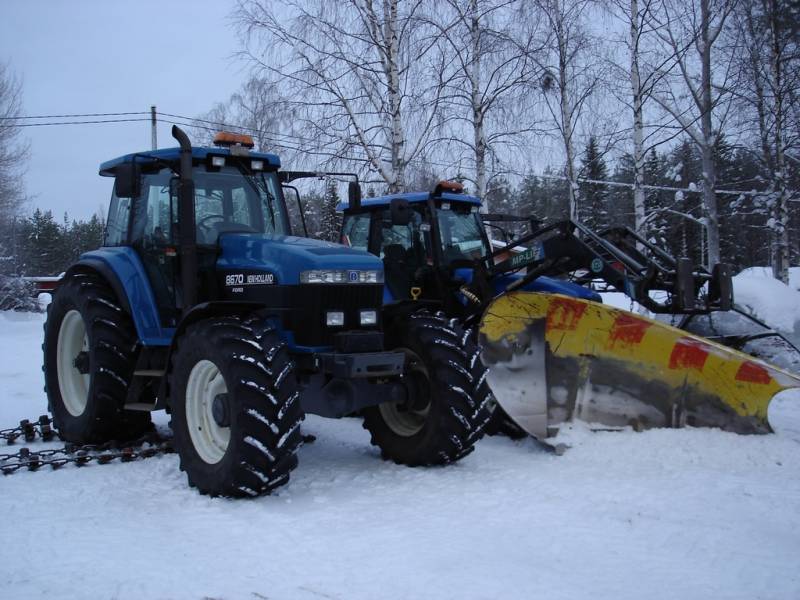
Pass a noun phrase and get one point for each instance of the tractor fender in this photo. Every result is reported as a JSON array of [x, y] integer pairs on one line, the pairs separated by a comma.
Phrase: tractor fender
[[96, 265], [125, 273]]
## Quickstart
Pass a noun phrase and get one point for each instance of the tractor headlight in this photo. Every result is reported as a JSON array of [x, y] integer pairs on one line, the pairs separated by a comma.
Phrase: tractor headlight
[[217, 161], [318, 276], [368, 317], [340, 276], [370, 276], [257, 165], [334, 318]]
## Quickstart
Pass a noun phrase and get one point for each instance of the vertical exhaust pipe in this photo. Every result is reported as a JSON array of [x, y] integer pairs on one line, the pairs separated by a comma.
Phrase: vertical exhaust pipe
[[187, 240]]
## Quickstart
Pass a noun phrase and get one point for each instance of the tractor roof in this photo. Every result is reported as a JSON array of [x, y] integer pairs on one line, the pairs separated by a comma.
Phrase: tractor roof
[[412, 197], [170, 154]]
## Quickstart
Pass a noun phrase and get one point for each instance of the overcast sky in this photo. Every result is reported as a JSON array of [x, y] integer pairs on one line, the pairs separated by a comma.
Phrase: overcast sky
[[97, 56]]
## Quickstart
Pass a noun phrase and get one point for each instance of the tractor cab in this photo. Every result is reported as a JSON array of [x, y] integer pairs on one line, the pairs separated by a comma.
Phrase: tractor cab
[[419, 237], [431, 244], [235, 191], [231, 241]]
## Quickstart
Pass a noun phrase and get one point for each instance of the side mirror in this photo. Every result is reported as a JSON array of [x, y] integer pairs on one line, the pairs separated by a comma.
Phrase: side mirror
[[128, 180], [400, 211], [353, 196]]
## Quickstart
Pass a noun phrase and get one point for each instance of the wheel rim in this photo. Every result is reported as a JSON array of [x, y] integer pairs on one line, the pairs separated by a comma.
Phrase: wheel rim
[[73, 385], [209, 439], [407, 418]]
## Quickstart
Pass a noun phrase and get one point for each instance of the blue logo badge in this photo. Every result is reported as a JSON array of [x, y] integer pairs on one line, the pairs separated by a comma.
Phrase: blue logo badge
[[352, 276]]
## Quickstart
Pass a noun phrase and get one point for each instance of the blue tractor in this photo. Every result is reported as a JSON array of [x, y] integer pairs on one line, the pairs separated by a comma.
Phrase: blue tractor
[[203, 303]]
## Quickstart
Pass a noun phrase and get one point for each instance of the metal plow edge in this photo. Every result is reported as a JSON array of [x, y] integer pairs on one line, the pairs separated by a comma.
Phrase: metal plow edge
[[554, 359]]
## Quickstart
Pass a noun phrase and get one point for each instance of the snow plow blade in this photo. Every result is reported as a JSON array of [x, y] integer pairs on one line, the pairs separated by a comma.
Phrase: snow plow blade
[[554, 359]]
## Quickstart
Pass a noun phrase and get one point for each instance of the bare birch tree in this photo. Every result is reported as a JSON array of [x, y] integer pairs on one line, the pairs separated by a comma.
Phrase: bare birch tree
[[360, 76], [259, 110], [13, 158], [13, 152], [493, 54], [695, 88], [641, 71], [571, 77]]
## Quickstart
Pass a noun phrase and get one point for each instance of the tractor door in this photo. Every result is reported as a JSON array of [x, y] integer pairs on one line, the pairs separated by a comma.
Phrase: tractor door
[[406, 251], [154, 237]]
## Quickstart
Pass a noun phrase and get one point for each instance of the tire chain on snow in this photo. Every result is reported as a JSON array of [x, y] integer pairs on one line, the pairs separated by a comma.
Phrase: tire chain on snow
[[146, 446]]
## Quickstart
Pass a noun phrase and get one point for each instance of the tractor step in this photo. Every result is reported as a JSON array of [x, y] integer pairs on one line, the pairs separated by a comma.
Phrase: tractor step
[[149, 373], [140, 406]]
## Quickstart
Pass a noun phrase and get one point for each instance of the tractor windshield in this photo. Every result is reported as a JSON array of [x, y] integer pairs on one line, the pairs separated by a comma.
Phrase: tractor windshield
[[233, 201], [226, 201], [461, 235]]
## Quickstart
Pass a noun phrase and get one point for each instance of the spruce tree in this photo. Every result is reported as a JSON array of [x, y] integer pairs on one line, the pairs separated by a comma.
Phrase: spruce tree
[[329, 219], [594, 196]]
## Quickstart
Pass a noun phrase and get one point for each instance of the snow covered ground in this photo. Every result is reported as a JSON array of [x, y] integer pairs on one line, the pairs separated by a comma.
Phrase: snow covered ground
[[662, 514]]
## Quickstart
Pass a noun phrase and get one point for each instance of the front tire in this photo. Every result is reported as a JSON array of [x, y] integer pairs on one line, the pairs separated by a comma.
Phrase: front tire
[[89, 358], [235, 407], [448, 398]]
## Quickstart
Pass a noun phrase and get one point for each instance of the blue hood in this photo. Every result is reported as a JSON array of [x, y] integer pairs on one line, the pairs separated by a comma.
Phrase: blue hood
[[286, 255], [540, 284]]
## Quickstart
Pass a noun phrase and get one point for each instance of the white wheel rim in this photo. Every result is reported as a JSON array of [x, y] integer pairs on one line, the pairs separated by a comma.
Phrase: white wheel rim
[[401, 421], [73, 385], [210, 440]]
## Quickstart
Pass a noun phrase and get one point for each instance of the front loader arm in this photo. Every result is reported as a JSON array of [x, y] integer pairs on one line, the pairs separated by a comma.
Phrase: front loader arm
[[623, 260]]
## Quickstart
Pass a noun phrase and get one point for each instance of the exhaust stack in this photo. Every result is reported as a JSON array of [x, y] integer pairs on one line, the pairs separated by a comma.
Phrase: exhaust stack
[[186, 218]]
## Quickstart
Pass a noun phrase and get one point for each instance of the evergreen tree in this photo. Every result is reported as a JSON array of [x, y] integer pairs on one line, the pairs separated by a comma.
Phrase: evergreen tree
[[329, 221], [594, 196]]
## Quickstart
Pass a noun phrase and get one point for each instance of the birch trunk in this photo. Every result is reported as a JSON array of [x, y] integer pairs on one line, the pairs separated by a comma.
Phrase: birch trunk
[[566, 122], [478, 116], [397, 180], [708, 136], [639, 208]]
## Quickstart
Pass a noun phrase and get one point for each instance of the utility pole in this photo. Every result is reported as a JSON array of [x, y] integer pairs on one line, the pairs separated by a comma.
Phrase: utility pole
[[154, 139]]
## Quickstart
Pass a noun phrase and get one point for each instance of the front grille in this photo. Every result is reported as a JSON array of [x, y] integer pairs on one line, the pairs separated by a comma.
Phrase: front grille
[[303, 308], [309, 303]]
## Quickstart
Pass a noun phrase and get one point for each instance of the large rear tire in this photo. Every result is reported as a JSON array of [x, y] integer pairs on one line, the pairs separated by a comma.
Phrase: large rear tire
[[235, 407], [89, 357], [448, 398]]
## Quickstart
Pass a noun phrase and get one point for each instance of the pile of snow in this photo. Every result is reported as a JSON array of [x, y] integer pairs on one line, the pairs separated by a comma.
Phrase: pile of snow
[[757, 292], [666, 514], [794, 274]]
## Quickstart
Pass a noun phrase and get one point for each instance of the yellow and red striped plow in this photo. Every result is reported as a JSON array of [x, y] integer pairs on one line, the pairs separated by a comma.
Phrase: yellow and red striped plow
[[617, 368]]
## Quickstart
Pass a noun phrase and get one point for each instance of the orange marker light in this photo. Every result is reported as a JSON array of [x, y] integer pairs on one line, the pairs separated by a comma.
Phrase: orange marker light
[[226, 138], [448, 186]]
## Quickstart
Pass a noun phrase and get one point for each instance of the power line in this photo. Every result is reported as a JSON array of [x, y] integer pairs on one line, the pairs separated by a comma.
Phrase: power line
[[78, 122], [74, 116], [286, 144]]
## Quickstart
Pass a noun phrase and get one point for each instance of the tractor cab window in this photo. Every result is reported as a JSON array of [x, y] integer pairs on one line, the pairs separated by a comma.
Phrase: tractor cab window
[[355, 231], [410, 243], [229, 201], [404, 250], [116, 233], [461, 234]]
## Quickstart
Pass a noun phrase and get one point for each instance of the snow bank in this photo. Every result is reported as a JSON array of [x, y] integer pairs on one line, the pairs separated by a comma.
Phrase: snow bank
[[771, 300], [794, 274]]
